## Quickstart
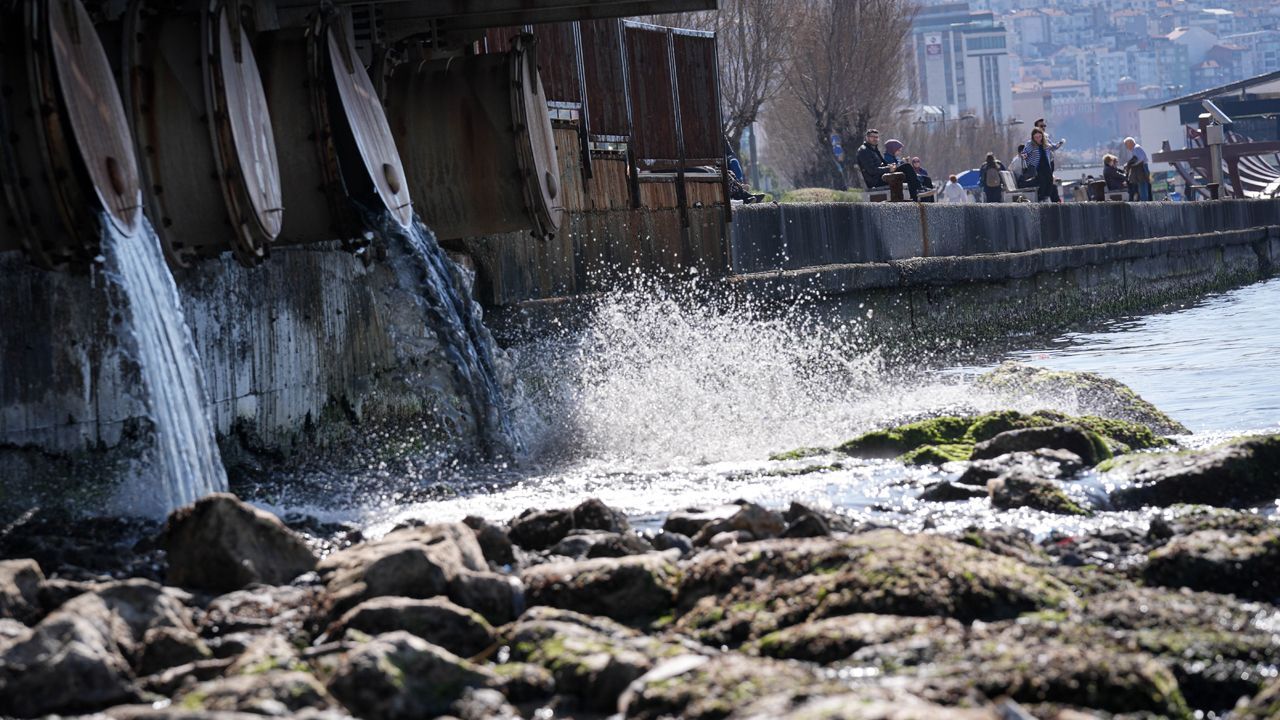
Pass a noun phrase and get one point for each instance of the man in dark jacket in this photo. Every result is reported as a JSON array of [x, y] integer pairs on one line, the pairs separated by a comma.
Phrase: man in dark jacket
[[874, 168]]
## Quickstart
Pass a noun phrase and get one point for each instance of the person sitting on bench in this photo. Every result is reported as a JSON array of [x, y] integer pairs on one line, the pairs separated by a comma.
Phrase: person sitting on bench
[[874, 167]]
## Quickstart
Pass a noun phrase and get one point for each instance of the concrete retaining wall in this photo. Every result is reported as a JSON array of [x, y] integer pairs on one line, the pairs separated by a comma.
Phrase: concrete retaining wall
[[791, 237], [292, 352]]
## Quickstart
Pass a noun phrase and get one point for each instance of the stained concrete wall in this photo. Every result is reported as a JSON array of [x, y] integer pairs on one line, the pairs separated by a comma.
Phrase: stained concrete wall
[[791, 237], [292, 352]]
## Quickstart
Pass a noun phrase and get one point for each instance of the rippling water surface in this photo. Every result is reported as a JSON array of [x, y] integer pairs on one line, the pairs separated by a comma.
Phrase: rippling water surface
[[666, 401]]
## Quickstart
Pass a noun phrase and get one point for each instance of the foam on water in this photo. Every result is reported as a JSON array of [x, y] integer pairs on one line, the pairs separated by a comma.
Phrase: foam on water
[[182, 463]]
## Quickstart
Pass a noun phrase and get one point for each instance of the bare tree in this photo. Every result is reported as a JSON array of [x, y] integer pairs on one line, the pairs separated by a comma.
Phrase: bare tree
[[956, 145], [845, 71], [753, 39]]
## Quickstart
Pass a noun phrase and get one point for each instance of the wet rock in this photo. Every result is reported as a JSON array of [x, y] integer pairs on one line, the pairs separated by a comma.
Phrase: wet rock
[[630, 589], [1242, 473], [417, 562], [222, 544], [484, 704], [595, 515], [1073, 675], [493, 540], [1089, 446], [1096, 394], [1188, 519], [400, 676], [539, 530], [169, 682], [264, 653], [1244, 565], [70, 663], [864, 705], [749, 517], [167, 647], [748, 591], [947, 491], [581, 544], [20, 585], [807, 525], [699, 688], [689, 521], [1018, 488], [950, 438], [834, 639], [57, 591], [284, 609], [275, 692], [673, 541], [522, 682], [1044, 462], [498, 598], [590, 658], [12, 632], [436, 620]]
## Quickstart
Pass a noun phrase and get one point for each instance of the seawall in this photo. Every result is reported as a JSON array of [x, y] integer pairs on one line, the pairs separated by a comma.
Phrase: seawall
[[987, 270]]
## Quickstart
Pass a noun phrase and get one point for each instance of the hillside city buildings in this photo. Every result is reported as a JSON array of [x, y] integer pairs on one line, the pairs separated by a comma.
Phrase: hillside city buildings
[[1090, 65]]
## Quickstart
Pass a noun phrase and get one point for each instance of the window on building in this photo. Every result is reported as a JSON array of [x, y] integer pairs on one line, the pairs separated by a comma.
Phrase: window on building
[[993, 42]]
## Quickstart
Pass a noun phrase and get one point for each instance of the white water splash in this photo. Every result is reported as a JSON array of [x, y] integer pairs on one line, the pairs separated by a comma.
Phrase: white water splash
[[183, 463]]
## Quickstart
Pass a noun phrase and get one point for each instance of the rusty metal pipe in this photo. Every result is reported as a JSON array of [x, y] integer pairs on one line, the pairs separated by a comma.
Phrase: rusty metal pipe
[[202, 131], [67, 153], [337, 154], [476, 139]]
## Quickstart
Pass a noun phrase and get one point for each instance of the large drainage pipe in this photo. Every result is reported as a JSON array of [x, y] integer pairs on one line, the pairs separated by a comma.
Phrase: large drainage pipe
[[337, 154], [67, 151], [476, 139], [202, 129]]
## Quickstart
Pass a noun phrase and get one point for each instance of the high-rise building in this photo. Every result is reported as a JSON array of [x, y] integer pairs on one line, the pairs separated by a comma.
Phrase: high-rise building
[[961, 61]]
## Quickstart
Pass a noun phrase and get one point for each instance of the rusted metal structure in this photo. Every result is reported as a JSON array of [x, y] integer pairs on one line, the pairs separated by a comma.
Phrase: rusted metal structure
[[243, 124], [68, 151]]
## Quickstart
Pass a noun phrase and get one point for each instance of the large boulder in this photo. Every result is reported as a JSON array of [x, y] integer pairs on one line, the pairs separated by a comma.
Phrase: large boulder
[[759, 522], [436, 620], [1213, 560], [1092, 394], [1091, 448], [415, 562], [630, 589], [834, 639], [82, 657], [1242, 473], [222, 544], [20, 585], [399, 676], [590, 658], [541, 529]]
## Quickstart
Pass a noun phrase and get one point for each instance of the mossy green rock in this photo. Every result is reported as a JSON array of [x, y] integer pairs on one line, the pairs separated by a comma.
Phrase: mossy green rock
[[834, 639], [632, 589], [1017, 489], [1244, 565], [953, 438], [1098, 395], [748, 591]]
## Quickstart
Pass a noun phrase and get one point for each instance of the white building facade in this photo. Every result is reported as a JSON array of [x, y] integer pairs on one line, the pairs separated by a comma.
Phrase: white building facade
[[961, 62]]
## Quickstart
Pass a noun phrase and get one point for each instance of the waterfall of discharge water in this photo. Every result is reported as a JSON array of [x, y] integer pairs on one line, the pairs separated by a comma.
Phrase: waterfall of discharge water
[[183, 464], [459, 325]]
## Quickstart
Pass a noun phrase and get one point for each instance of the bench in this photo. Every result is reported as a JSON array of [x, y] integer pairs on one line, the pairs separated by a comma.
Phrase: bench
[[1010, 187]]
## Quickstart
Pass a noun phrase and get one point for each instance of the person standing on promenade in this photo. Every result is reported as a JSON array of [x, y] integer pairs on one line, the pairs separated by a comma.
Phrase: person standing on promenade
[[992, 182], [1138, 169], [1039, 156], [1042, 127]]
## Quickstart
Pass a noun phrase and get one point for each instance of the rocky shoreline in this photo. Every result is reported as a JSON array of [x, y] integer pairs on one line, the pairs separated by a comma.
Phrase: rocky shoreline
[[738, 611]]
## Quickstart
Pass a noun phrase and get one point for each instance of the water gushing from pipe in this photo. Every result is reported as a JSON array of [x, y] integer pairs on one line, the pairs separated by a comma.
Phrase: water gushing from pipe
[[182, 463]]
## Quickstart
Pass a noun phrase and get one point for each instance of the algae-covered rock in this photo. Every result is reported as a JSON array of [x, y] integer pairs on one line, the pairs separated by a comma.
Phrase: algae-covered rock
[[436, 620], [834, 639], [1094, 394], [277, 692], [944, 439], [591, 658], [1244, 565], [710, 689], [1019, 488], [1090, 446], [748, 591], [401, 676], [1241, 473], [630, 589]]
